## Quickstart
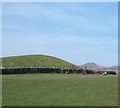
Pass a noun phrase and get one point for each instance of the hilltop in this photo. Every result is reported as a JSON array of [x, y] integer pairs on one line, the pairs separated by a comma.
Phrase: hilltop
[[35, 61]]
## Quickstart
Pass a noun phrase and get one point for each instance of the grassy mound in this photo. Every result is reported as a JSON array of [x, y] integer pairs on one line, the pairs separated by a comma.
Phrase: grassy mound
[[35, 61]]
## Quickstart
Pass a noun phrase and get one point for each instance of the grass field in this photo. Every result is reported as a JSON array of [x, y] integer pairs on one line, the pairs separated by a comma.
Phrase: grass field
[[60, 90]]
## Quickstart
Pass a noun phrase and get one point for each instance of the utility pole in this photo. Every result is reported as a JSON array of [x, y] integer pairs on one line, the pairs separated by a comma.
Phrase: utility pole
[[42, 63], [34, 65], [11, 65]]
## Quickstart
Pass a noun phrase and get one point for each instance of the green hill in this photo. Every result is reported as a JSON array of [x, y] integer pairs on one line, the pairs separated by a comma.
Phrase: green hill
[[35, 61]]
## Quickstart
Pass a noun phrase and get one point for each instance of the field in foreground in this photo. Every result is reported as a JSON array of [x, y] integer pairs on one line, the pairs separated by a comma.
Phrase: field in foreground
[[60, 90]]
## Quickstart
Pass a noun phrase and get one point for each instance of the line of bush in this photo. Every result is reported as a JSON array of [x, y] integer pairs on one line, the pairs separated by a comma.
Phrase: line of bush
[[50, 70]]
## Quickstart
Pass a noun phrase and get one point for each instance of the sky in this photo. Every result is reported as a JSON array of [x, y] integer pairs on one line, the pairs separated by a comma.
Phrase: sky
[[78, 32]]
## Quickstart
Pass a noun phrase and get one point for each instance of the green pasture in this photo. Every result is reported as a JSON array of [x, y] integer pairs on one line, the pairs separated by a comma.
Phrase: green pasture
[[59, 90]]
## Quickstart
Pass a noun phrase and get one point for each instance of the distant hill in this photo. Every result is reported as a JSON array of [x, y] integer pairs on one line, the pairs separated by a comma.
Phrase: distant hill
[[94, 66], [35, 61]]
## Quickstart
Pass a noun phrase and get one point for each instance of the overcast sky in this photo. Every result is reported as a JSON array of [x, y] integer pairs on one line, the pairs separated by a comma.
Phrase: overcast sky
[[76, 32]]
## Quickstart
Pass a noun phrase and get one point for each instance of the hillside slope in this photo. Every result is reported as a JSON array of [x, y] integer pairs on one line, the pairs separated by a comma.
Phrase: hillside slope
[[35, 61]]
